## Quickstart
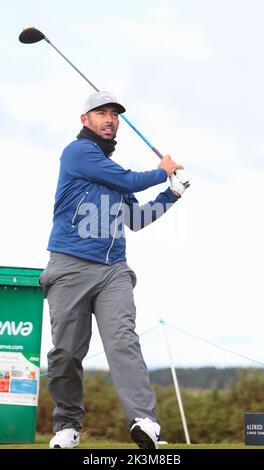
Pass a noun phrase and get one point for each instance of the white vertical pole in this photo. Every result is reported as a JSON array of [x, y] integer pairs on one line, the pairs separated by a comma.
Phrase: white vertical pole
[[176, 385]]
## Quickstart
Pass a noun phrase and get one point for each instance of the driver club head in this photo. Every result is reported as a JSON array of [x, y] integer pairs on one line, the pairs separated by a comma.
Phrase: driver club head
[[30, 35]]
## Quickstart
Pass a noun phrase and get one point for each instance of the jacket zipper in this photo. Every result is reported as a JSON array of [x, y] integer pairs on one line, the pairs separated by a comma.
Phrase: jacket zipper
[[77, 208], [115, 230]]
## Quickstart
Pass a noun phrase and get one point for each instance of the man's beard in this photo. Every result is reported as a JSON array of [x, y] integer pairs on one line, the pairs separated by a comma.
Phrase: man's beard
[[109, 137]]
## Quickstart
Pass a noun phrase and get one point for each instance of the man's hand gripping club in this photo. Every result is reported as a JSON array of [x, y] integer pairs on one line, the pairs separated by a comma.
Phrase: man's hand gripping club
[[178, 179]]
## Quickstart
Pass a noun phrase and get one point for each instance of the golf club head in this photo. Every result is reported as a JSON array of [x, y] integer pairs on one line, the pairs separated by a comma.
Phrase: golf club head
[[31, 35]]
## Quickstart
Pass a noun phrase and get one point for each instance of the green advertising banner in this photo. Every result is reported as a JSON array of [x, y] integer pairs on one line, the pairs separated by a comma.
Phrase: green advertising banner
[[21, 309]]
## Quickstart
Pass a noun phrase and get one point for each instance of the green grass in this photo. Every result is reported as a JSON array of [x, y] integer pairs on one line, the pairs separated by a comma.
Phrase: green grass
[[42, 442]]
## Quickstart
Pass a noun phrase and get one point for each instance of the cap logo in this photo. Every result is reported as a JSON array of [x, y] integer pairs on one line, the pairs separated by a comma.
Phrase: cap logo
[[106, 97]]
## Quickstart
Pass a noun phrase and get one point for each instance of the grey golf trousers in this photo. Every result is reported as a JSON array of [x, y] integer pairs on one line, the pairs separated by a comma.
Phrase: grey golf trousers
[[75, 290]]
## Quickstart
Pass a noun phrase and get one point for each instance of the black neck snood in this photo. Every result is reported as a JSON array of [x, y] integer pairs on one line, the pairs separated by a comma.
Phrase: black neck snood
[[107, 146]]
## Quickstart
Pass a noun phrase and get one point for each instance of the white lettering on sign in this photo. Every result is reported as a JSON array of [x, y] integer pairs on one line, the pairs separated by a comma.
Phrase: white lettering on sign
[[11, 328]]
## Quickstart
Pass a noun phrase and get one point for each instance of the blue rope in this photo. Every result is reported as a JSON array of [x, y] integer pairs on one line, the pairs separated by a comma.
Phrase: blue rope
[[211, 343], [179, 330]]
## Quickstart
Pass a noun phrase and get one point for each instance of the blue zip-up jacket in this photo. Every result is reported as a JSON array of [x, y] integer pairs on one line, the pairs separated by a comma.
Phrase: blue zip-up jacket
[[93, 201]]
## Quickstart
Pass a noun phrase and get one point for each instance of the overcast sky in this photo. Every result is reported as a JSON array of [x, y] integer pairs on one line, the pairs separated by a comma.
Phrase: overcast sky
[[191, 75]]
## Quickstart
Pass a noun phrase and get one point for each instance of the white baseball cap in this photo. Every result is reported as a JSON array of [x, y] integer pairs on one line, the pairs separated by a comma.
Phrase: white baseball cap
[[101, 98]]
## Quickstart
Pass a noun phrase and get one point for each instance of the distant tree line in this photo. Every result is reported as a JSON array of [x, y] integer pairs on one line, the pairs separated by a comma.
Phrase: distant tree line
[[214, 414], [201, 377]]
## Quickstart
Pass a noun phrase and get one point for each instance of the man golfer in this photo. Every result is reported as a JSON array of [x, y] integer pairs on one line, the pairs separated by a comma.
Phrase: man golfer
[[87, 273]]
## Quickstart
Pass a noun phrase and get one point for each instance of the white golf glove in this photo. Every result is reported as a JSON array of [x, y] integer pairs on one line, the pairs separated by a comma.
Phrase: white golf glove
[[179, 182]]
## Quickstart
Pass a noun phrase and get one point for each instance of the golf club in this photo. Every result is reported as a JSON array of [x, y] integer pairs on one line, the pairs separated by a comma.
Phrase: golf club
[[31, 35]]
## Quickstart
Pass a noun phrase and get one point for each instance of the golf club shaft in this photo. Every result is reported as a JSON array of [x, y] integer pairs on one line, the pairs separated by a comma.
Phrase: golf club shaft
[[96, 89], [142, 136], [69, 62]]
